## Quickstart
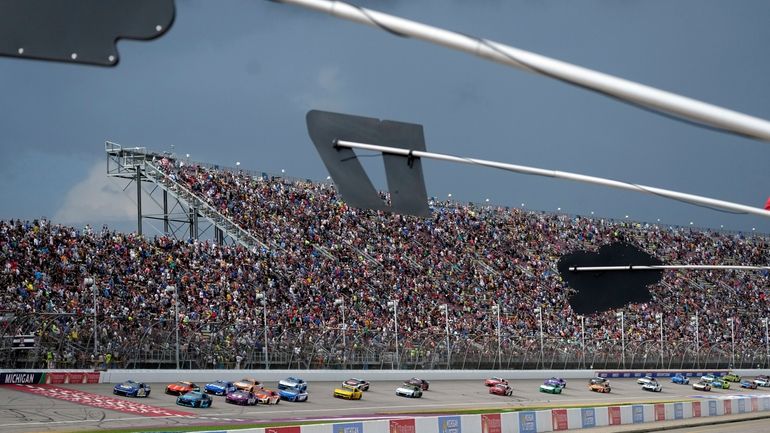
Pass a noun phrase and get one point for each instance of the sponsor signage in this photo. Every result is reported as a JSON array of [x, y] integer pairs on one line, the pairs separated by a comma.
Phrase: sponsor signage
[[402, 426], [695, 409], [588, 417], [559, 419], [527, 422], [613, 413], [21, 377], [741, 405], [491, 423], [660, 412], [678, 411], [348, 427], [449, 424], [292, 429], [728, 407], [637, 413], [712, 408]]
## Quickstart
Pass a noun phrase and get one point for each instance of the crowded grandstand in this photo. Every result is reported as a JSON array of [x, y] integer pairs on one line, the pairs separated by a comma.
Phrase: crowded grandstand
[[320, 257]]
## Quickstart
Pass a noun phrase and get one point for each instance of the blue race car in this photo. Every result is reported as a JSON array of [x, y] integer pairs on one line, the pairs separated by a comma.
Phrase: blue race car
[[194, 399], [556, 381], [292, 394], [130, 388], [292, 382], [748, 384], [680, 379], [219, 387]]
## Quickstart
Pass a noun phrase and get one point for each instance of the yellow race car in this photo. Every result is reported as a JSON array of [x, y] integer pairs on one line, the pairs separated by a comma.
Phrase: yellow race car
[[350, 394]]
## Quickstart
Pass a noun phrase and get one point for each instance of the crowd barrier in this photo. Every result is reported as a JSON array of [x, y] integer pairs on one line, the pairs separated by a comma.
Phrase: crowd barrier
[[537, 421], [55, 377]]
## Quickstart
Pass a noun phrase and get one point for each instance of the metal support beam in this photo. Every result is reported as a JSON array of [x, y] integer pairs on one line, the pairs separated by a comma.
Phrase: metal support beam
[[138, 199]]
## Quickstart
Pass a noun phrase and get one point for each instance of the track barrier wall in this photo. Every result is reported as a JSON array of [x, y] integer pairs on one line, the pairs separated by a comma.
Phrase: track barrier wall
[[537, 421]]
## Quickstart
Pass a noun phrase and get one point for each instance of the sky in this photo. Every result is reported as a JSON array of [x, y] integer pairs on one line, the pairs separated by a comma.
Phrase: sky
[[231, 82]]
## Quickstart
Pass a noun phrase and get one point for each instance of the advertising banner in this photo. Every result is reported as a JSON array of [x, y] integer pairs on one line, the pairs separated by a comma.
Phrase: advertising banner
[[527, 422], [559, 419], [678, 411], [292, 429], [754, 404], [696, 409], [728, 407], [93, 377], [741, 405], [712, 408], [348, 427], [449, 424], [402, 426], [588, 417], [613, 413], [77, 378], [660, 412], [56, 378], [491, 423], [637, 413], [20, 377]]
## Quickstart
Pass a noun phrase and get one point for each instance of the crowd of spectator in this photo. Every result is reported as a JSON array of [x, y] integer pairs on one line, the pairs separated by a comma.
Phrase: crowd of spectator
[[471, 258]]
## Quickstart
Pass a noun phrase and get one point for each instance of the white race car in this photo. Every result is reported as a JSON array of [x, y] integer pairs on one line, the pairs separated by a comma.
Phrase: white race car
[[409, 391], [645, 379], [701, 386], [762, 380], [653, 386]]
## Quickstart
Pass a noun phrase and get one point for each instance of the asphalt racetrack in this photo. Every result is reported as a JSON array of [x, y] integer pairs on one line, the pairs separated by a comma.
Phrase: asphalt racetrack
[[94, 407]]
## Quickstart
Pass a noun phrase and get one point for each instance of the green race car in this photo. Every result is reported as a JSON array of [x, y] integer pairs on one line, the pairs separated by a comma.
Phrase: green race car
[[731, 377], [551, 389], [720, 383]]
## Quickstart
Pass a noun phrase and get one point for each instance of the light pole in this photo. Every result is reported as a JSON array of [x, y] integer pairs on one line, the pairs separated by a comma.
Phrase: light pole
[[695, 321], [89, 282], [732, 341], [583, 338], [767, 342], [539, 312], [445, 309], [659, 316], [262, 300], [394, 304], [172, 288], [621, 315], [340, 302], [496, 309]]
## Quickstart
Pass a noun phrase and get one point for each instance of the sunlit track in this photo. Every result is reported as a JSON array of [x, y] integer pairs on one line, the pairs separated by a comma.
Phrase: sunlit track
[[26, 413]]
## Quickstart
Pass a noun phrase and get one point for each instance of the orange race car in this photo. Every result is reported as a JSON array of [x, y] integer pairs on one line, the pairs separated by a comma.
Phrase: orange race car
[[248, 384], [600, 387], [268, 396], [181, 387]]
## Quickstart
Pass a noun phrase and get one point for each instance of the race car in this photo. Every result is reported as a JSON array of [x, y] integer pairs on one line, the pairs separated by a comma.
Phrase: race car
[[292, 382], [680, 379], [354, 383], [701, 385], [653, 386], [645, 379], [350, 394], [731, 377], [248, 384], [292, 394], [268, 396], [492, 381], [412, 391], [182, 387], [219, 387], [748, 384], [422, 383], [245, 398], [600, 387], [762, 380], [130, 388], [720, 383], [708, 378], [501, 389], [598, 380], [556, 389], [556, 381], [194, 399]]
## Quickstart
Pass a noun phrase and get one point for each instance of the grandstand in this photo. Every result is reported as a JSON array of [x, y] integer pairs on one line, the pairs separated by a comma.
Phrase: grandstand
[[473, 286]]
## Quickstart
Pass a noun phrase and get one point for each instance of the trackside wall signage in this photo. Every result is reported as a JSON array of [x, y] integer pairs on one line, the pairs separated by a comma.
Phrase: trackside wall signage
[[21, 377]]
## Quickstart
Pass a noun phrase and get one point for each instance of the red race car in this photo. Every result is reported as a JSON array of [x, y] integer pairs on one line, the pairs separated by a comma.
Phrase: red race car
[[422, 383], [268, 396], [501, 389], [492, 381], [180, 388]]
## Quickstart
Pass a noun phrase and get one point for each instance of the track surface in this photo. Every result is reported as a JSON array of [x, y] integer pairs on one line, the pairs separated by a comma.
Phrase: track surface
[[22, 412]]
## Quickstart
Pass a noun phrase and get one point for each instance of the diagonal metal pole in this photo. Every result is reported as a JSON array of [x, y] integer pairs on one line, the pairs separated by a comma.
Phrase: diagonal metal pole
[[626, 90]]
